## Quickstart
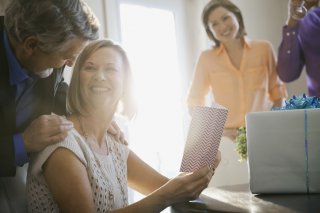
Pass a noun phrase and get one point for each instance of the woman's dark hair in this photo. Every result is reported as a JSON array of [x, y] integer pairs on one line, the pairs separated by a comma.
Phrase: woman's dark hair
[[228, 5]]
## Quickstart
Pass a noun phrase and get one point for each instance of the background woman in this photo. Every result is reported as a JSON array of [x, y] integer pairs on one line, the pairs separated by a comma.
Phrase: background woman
[[240, 74]]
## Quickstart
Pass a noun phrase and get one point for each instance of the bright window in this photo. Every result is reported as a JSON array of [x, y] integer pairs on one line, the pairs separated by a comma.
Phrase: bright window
[[156, 135]]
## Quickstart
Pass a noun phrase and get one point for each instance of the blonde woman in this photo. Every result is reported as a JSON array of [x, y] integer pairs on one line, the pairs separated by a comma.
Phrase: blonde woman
[[89, 171]]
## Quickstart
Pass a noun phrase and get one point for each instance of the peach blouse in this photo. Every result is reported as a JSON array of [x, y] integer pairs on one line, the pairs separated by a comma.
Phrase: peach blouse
[[253, 87]]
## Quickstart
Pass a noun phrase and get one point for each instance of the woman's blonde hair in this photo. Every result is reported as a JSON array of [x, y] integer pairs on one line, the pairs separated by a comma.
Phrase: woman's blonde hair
[[75, 102]]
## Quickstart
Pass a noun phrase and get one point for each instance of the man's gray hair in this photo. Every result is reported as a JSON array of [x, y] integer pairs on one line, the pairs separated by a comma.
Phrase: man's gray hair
[[52, 22]]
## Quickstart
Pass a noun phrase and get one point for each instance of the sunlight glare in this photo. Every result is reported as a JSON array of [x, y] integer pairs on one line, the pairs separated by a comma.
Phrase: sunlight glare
[[148, 34]]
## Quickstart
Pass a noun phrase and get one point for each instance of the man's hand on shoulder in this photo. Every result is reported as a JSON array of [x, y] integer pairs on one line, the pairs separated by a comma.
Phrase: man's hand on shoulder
[[44, 131]]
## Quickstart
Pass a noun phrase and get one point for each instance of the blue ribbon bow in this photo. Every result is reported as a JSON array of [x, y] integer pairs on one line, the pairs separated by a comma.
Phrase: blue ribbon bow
[[300, 102]]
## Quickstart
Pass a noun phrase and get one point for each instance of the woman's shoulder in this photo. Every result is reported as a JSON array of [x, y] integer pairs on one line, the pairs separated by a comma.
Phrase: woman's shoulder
[[260, 43], [71, 143], [209, 54], [211, 50]]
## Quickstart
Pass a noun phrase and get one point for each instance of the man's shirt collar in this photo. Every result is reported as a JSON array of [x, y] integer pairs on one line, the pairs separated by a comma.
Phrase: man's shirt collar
[[16, 72]]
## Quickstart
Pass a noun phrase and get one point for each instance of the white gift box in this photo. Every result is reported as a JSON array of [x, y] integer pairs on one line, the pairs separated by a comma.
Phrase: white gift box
[[284, 151]]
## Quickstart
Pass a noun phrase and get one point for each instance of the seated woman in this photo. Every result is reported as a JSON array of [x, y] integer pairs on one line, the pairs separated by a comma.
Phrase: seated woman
[[89, 171]]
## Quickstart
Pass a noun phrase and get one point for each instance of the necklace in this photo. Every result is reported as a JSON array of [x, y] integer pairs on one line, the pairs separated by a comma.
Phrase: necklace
[[110, 191]]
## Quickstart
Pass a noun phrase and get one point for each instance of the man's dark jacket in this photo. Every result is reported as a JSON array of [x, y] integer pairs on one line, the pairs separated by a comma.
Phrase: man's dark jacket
[[52, 91]]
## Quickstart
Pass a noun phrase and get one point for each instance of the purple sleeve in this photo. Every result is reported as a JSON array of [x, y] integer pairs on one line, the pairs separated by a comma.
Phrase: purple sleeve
[[20, 151], [290, 57]]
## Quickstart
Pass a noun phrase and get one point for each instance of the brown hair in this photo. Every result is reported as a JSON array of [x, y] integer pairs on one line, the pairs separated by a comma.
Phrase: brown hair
[[214, 4]]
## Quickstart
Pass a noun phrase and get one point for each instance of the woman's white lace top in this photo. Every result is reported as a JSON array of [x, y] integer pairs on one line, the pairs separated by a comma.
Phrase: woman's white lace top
[[109, 187]]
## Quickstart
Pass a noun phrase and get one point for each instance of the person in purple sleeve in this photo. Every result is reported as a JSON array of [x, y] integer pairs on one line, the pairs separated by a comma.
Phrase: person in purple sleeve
[[300, 46]]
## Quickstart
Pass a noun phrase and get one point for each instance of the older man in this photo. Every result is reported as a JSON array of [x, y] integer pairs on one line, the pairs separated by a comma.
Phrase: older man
[[38, 38]]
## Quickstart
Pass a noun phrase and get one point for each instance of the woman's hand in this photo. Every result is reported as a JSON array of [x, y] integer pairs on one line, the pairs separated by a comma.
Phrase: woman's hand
[[188, 186], [278, 103]]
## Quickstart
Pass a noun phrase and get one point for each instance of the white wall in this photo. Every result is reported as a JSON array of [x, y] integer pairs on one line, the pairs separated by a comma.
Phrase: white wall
[[195, 34], [97, 7], [264, 19]]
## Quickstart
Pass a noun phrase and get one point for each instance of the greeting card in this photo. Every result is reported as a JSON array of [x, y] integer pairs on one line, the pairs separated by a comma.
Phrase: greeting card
[[204, 135]]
